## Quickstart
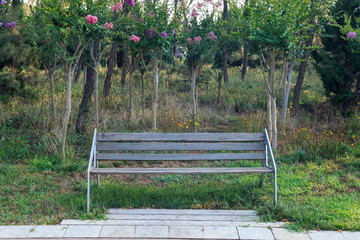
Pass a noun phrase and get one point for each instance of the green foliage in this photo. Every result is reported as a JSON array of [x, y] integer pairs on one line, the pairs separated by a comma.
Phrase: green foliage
[[338, 62]]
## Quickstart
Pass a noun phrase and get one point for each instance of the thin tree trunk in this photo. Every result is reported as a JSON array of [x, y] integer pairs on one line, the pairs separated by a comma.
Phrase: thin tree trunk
[[130, 116], [219, 90], [193, 89], [225, 50], [246, 50], [67, 113], [143, 92], [96, 95], [302, 71], [110, 71], [269, 117], [155, 96], [124, 70], [78, 69], [274, 123], [87, 93], [85, 74], [245, 61], [287, 93], [52, 94]]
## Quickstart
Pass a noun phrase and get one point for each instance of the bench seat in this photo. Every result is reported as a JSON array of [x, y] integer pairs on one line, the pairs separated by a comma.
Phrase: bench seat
[[227, 170]]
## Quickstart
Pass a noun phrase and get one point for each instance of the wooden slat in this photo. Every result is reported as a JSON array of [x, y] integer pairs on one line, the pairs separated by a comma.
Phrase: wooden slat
[[179, 157], [109, 146], [181, 170], [181, 137]]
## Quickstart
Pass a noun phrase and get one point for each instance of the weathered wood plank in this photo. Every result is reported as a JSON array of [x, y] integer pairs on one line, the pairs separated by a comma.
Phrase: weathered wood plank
[[181, 137], [182, 217], [179, 157], [110, 146], [181, 170], [205, 212]]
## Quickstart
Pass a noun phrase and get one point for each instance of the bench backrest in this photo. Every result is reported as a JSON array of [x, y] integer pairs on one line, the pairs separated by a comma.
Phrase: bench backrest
[[187, 146]]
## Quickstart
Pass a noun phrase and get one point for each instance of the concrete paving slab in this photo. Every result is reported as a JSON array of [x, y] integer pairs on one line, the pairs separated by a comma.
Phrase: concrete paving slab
[[252, 233], [351, 235], [284, 234], [220, 232], [152, 231], [48, 231], [326, 235], [184, 212], [15, 231], [83, 231], [186, 232], [118, 231], [181, 217]]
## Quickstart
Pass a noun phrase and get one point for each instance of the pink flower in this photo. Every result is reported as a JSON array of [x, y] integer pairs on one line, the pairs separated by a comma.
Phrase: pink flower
[[189, 40], [212, 36], [199, 5], [108, 25], [351, 35], [117, 7], [134, 38], [194, 13], [197, 39], [91, 19]]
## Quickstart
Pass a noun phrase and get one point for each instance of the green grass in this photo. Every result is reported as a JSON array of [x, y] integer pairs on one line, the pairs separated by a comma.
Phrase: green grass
[[318, 156]]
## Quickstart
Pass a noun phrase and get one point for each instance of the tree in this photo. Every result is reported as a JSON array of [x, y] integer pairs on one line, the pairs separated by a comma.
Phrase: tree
[[318, 10], [200, 43], [338, 62], [67, 22], [276, 30]]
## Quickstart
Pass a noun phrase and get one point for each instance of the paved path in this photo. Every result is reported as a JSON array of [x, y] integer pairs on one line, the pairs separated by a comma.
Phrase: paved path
[[171, 224]]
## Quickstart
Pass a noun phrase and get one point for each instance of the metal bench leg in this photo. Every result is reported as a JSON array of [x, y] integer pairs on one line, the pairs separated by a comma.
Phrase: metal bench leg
[[261, 180], [275, 188], [97, 175], [88, 194]]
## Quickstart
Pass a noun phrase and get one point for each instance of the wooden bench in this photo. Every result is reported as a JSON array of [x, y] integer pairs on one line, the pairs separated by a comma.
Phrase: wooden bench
[[181, 147]]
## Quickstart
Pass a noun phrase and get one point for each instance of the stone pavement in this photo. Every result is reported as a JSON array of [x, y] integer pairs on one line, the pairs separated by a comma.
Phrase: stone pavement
[[171, 224]]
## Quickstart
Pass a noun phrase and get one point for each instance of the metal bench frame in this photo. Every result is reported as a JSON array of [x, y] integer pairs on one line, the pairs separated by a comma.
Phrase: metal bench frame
[[181, 142]]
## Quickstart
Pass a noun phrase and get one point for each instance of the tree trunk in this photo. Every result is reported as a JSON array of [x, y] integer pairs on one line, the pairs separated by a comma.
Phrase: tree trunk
[[111, 63], [84, 77], [287, 93], [302, 70], [155, 96], [124, 70], [219, 90], [96, 95], [52, 94], [142, 71], [245, 61], [130, 116], [193, 89], [67, 113], [225, 50], [269, 117], [78, 69], [274, 123], [87, 93], [246, 51]]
